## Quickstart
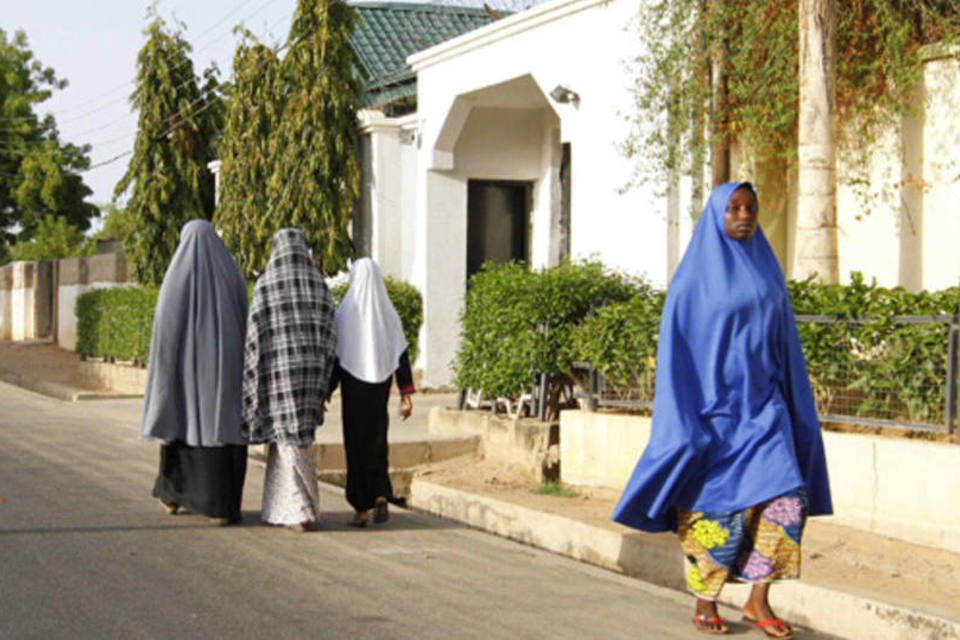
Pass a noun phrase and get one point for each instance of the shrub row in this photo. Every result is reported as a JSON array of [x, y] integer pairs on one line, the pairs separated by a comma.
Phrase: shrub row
[[868, 364], [517, 323], [117, 323]]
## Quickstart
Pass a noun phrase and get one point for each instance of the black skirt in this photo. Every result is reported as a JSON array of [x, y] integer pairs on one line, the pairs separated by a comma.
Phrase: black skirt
[[365, 423], [205, 480]]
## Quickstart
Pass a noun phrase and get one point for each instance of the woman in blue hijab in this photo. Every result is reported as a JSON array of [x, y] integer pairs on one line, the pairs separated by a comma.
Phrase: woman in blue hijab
[[735, 461]]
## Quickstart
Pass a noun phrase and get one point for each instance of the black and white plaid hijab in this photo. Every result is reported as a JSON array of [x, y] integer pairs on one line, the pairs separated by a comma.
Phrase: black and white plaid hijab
[[290, 346]]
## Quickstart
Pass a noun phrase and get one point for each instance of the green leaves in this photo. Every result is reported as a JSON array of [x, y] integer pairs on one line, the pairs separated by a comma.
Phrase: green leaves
[[517, 323], [870, 365], [54, 238], [879, 62], [289, 146], [167, 174], [116, 323], [38, 173]]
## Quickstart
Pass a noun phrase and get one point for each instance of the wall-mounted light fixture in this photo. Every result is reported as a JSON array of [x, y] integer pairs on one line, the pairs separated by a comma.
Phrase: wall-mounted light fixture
[[564, 95]]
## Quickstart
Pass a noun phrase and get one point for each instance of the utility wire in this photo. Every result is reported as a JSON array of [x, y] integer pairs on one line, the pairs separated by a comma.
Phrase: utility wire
[[102, 105]]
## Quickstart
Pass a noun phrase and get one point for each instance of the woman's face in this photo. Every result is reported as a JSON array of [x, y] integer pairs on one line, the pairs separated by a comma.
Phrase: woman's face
[[740, 220]]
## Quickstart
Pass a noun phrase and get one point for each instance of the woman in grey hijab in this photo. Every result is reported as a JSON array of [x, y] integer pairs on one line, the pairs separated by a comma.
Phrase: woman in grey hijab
[[290, 351], [192, 402]]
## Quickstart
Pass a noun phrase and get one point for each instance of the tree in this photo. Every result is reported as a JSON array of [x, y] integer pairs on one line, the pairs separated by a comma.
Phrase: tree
[[878, 58], [816, 252], [315, 179], [167, 176], [247, 152], [55, 238], [39, 174]]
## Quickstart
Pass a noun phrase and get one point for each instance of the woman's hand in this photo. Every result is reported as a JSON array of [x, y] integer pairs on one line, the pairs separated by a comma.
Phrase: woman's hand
[[406, 406]]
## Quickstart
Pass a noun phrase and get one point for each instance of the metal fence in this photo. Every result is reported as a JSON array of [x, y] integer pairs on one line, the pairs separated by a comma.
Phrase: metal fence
[[894, 372]]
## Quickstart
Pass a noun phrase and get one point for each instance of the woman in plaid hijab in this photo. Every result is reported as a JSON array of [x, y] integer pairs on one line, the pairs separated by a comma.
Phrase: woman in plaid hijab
[[290, 352]]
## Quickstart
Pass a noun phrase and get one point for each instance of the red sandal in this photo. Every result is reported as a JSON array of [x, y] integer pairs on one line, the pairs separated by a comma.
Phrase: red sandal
[[701, 621], [783, 630]]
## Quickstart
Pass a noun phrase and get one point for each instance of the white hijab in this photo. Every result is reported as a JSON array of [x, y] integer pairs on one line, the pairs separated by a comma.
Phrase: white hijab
[[370, 336]]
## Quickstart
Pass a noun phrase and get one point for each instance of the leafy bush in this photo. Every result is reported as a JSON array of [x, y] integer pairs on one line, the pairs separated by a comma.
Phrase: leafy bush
[[116, 323], [406, 300], [868, 364], [620, 341], [517, 323]]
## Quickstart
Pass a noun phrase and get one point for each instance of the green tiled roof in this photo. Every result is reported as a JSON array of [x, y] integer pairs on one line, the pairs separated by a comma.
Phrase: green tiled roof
[[391, 31]]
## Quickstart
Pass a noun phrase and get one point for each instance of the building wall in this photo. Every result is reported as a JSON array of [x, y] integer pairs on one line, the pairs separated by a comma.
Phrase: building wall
[[901, 230], [38, 299], [484, 112]]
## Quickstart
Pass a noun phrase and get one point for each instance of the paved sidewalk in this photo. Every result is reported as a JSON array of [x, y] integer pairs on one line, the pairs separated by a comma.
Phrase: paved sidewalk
[[855, 584]]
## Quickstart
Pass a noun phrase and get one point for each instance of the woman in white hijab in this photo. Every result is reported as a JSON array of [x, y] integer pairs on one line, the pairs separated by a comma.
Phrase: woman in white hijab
[[290, 353], [371, 351], [192, 399]]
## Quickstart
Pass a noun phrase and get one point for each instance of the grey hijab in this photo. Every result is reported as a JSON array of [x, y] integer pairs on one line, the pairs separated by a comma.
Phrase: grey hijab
[[196, 352], [291, 346]]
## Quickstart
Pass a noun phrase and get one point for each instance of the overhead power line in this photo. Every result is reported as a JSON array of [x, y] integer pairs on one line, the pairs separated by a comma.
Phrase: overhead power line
[[100, 99]]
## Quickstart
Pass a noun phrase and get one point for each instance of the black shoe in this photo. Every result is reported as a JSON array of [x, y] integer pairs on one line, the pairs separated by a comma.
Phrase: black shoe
[[381, 513]]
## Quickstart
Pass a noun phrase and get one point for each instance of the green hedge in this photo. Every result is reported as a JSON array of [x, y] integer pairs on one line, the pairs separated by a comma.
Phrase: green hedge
[[875, 367], [116, 323], [407, 301], [517, 323], [620, 341]]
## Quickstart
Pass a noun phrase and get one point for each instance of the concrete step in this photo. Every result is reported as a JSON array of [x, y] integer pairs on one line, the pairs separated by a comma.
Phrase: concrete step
[[405, 458]]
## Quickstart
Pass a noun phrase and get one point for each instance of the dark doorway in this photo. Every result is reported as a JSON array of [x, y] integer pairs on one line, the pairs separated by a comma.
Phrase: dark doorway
[[498, 214]]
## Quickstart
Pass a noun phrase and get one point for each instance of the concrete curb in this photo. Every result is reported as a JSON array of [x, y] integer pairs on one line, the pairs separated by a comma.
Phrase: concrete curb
[[59, 391], [657, 559]]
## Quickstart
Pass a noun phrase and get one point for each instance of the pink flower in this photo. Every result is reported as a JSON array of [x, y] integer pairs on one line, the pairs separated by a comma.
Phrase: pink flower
[[784, 511], [754, 566]]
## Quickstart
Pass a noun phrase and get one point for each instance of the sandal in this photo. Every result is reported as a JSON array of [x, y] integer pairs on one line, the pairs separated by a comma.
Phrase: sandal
[[772, 628], [358, 522], [170, 507], [702, 620], [381, 513]]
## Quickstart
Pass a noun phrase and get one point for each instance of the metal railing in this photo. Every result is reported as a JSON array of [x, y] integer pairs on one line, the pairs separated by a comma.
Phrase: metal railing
[[897, 372]]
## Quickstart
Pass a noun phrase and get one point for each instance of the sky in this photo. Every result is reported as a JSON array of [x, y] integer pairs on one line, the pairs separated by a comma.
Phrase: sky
[[93, 44]]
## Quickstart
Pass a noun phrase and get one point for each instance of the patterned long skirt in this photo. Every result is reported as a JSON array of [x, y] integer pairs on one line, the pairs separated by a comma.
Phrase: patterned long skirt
[[757, 545], [290, 492]]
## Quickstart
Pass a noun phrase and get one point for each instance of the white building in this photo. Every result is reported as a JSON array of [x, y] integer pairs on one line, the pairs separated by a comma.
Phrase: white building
[[513, 152], [511, 149]]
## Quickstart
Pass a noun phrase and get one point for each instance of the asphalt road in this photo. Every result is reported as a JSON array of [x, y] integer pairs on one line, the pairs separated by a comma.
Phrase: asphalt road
[[86, 552]]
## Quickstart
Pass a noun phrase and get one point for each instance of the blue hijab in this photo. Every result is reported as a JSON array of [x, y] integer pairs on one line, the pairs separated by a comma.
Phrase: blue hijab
[[734, 421]]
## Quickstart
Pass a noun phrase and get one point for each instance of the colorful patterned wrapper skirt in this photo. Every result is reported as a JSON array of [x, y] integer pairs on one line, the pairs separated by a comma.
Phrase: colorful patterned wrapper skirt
[[759, 544]]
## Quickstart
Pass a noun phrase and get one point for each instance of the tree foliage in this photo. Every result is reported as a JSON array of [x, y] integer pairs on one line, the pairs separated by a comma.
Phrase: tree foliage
[[247, 152], [879, 61], [53, 239], [168, 178], [315, 179], [518, 323], [39, 174]]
